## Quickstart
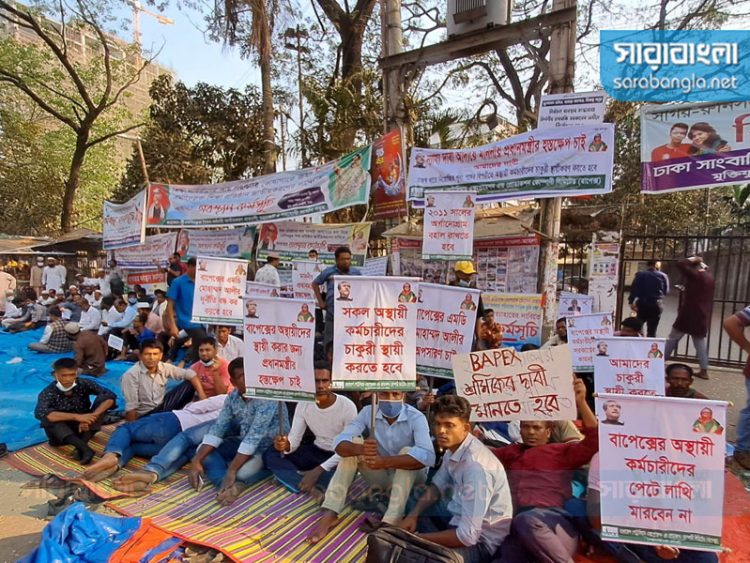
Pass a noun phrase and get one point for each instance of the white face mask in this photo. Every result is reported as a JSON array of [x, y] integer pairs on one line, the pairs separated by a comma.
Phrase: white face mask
[[65, 389]]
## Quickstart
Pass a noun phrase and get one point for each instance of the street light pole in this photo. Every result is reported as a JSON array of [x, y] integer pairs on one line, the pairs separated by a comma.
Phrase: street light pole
[[299, 33]]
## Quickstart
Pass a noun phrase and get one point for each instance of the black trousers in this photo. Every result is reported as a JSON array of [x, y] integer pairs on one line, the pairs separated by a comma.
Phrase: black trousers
[[176, 398], [59, 432], [194, 334], [650, 313]]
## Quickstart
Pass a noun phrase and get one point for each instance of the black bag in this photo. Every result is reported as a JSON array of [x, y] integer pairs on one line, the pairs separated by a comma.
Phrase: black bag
[[394, 545]]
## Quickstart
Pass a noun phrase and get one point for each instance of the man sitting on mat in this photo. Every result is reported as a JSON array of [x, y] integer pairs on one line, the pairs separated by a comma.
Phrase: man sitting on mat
[[65, 410], [145, 383], [396, 455], [308, 468]]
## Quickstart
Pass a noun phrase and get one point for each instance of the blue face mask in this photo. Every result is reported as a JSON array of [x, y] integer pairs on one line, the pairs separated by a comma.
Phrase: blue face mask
[[390, 409], [464, 283], [132, 300]]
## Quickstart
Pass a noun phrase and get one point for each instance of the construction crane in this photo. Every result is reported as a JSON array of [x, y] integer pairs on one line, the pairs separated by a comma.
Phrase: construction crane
[[137, 9]]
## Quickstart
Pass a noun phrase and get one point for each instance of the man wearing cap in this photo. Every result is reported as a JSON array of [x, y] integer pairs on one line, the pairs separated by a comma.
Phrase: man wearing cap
[[55, 339], [91, 350], [53, 276], [268, 273], [35, 275], [464, 272], [178, 316], [96, 301]]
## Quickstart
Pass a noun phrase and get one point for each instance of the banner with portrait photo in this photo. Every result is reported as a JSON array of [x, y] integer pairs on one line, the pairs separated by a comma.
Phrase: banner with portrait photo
[[662, 470], [374, 333], [298, 193], [520, 316], [293, 240], [155, 251], [633, 366], [583, 331], [504, 384], [692, 146], [446, 318], [388, 177], [279, 346], [573, 304], [604, 268], [219, 287], [559, 162], [124, 224], [226, 243]]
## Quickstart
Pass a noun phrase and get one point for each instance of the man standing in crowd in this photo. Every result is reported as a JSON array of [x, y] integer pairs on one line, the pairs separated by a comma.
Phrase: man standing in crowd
[[735, 328], [646, 294], [343, 267], [53, 276], [35, 276], [174, 269], [269, 273], [228, 346], [55, 339], [694, 314], [178, 318]]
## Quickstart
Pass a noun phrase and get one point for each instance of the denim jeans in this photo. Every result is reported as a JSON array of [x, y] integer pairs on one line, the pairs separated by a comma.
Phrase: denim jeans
[[217, 462], [144, 437], [286, 468], [743, 424], [178, 451]]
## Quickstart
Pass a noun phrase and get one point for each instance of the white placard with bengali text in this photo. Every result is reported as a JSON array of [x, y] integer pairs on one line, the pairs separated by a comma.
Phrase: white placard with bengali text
[[574, 304], [571, 108], [662, 471], [375, 333], [257, 289], [583, 330], [219, 287], [375, 266], [124, 224], [629, 365], [448, 225], [504, 384], [279, 348], [303, 273], [446, 319]]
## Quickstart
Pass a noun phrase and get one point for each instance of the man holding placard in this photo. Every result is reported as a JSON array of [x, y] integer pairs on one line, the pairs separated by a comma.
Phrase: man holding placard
[[178, 317], [326, 277]]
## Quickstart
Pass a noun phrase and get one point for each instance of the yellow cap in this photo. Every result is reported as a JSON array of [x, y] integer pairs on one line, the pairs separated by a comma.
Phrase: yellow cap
[[465, 267]]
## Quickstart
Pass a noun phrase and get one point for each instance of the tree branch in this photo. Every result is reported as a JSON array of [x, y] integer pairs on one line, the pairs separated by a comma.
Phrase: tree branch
[[108, 136], [18, 82]]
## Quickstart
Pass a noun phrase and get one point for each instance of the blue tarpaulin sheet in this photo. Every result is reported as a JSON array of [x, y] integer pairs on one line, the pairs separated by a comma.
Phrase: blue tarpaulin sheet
[[21, 381]]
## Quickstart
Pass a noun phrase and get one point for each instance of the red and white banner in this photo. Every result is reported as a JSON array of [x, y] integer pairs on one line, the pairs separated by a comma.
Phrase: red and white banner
[[219, 286]]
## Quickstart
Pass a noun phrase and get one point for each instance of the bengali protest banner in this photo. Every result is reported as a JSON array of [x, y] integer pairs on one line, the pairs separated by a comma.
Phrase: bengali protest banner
[[375, 333], [303, 274], [150, 281], [446, 318], [571, 108], [520, 315], [256, 289], [662, 470], [388, 177], [279, 348], [448, 225], [124, 224], [583, 331], [633, 366], [155, 250], [293, 240], [691, 146], [284, 195], [504, 384], [226, 243], [563, 161], [375, 266], [604, 264], [219, 286], [573, 304]]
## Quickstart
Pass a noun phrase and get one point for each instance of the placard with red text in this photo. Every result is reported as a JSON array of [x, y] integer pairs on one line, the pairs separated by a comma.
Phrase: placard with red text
[[629, 365], [582, 332], [219, 287]]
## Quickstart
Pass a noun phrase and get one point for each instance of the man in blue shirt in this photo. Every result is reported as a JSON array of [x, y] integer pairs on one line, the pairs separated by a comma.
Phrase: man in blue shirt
[[342, 268], [396, 457], [179, 314], [646, 294]]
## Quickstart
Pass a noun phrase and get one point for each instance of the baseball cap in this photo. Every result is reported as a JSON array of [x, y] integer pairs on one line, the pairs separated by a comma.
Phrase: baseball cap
[[72, 328], [465, 267]]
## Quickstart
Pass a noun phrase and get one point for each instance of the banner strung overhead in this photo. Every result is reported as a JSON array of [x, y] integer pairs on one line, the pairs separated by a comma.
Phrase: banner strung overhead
[[445, 326], [633, 366], [520, 315], [299, 193], [448, 225], [691, 146], [150, 281], [559, 162], [503, 384], [124, 224], [375, 333], [303, 274], [573, 304], [582, 332], [156, 250], [219, 286], [279, 348], [388, 177], [662, 470], [293, 240], [228, 243]]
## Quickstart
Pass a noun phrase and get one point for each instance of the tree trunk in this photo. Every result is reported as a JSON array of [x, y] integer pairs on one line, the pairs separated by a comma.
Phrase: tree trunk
[[264, 56], [74, 179]]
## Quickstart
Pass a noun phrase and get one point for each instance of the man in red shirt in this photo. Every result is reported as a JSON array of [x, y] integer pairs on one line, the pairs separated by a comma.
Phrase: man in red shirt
[[540, 474], [675, 148], [212, 370]]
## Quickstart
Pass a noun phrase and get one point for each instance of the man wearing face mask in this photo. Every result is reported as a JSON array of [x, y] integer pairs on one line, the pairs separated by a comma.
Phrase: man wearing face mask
[[464, 273], [396, 455], [65, 410], [212, 370]]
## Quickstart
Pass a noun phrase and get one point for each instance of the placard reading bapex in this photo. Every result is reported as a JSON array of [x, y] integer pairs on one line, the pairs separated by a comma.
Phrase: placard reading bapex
[[542, 163], [340, 183]]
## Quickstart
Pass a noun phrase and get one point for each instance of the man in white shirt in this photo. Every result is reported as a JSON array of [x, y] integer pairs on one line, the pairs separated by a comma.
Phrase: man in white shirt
[[228, 346], [7, 285], [53, 276], [11, 311], [308, 468], [269, 273], [91, 318], [129, 312], [160, 303]]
